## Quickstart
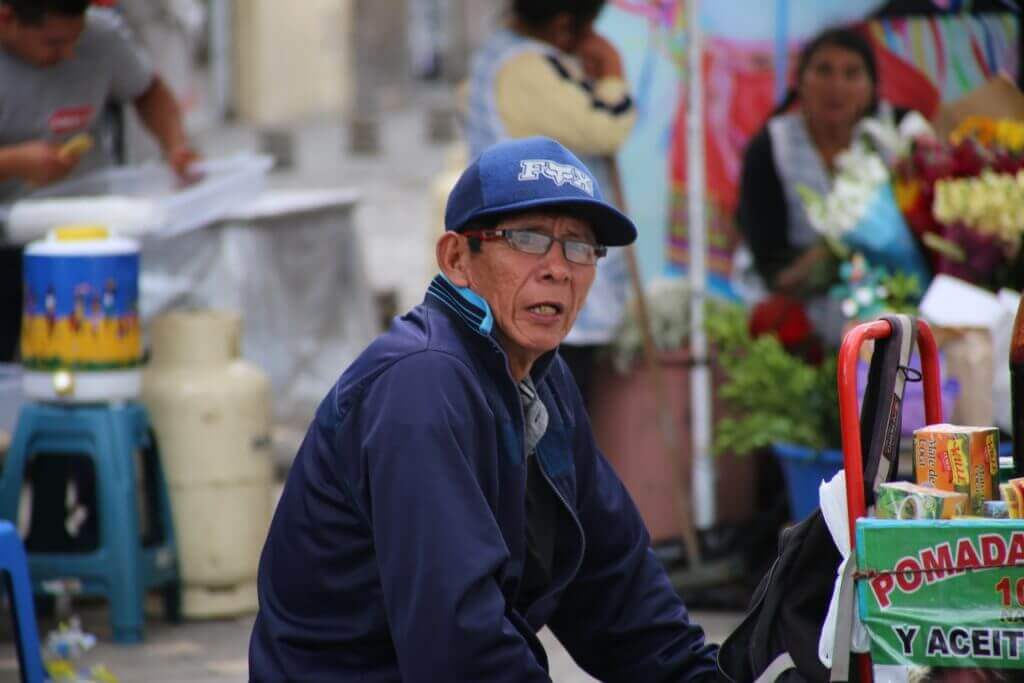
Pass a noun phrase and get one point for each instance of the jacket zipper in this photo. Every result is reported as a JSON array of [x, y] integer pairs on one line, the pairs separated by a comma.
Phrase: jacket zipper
[[575, 519], [551, 483], [547, 477]]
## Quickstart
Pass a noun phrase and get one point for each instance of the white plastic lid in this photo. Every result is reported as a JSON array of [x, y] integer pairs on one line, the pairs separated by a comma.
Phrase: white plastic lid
[[81, 240]]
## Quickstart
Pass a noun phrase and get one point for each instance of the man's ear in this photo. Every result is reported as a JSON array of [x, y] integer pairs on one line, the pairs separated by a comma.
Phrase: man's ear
[[453, 258]]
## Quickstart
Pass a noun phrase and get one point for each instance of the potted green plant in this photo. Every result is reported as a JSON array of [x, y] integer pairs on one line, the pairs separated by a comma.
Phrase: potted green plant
[[624, 412], [775, 400]]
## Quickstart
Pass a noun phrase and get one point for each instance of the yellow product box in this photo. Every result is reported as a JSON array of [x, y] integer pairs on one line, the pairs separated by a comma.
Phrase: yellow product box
[[903, 500], [958, 458], [1017, 489], [1012, 499]]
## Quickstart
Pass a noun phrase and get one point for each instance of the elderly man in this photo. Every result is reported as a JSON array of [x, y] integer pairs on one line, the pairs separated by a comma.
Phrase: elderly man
[[449, 499]]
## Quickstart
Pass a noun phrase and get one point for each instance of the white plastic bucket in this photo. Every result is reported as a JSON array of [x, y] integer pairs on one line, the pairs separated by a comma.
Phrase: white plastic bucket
[[81, 337]]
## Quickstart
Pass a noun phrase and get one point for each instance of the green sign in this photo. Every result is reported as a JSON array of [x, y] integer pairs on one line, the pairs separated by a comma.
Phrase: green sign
[[946, 593]]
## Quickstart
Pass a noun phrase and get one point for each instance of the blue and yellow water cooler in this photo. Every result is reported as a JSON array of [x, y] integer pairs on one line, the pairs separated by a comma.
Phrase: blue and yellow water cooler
[[83, 469]]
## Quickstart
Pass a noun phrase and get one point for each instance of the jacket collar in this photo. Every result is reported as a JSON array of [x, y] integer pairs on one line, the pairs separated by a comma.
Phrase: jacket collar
[[472, 313]]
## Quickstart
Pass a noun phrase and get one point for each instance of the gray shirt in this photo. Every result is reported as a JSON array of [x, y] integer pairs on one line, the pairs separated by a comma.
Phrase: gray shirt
[[541, 505], [535, 414], [58, 102]]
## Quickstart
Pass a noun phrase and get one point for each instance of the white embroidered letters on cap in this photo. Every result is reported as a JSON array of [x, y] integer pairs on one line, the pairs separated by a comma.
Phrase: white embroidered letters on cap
[[533, 169]]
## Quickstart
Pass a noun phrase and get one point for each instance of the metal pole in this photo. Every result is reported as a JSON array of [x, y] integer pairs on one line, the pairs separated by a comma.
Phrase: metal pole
[[457, 58], [781, 51], [700, 375], [221, 47], [682, 506], [441, 116], [364, 128]]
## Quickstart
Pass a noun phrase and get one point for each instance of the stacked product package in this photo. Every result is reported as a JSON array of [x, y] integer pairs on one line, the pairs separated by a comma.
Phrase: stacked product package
[[957, 473]]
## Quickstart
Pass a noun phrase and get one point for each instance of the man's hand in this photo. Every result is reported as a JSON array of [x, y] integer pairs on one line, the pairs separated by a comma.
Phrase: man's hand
[[40, 162], [803, 273], [179, 159], [599, 57], [161, 114]]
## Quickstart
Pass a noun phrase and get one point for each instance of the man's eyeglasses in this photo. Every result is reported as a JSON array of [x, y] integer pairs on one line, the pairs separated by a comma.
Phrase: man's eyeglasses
[[538, 243]]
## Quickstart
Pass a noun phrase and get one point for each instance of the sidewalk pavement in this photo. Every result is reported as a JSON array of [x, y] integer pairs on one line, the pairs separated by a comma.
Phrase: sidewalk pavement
[[217, 651]]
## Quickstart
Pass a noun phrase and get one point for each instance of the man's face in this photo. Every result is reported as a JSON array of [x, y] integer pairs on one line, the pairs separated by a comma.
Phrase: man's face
[[534, 299], [45, 44]]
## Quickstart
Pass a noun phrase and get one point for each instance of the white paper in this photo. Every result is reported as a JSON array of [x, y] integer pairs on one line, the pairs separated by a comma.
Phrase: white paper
[[951, 302]]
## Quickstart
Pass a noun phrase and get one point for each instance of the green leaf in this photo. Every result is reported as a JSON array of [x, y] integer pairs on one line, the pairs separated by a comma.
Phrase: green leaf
[[769, 395], [944, 246]]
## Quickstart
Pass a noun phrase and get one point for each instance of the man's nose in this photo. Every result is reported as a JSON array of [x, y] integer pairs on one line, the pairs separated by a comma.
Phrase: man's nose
[[556, 266]]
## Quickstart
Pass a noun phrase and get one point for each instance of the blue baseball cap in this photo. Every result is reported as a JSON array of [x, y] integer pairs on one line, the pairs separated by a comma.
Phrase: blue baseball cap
[[534, 174]]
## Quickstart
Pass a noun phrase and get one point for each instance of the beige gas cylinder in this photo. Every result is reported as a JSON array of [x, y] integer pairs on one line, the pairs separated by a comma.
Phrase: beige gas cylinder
[[212, 416]]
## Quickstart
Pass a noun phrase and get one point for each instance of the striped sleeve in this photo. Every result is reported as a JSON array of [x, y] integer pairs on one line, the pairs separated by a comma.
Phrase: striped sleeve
[[537, 94]]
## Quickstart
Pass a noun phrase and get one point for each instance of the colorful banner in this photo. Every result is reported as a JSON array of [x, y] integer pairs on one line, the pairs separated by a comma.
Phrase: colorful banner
[[739, 93], [923, 61], [653, 54], [946, 594], [928, 60]]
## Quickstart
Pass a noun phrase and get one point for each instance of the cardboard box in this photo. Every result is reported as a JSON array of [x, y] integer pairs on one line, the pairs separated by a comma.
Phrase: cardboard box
[[997, 98], [903, 500], [944, 594], [959, 458]]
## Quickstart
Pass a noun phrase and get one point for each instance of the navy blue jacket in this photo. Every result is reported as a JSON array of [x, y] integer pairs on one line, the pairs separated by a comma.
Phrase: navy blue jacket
[[397, 547]]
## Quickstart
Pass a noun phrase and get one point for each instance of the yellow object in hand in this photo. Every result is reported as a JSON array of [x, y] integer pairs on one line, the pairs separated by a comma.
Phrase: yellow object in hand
[[76, 146]]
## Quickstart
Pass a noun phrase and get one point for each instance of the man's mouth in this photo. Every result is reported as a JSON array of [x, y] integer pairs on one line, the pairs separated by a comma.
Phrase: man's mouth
[[546, 308]]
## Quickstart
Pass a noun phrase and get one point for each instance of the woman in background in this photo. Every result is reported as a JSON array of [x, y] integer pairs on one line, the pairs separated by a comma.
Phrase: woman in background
[[836, 87], [547, 72]]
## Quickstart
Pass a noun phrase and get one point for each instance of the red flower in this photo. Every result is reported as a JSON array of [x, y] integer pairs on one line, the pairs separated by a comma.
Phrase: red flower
[[786, 319]]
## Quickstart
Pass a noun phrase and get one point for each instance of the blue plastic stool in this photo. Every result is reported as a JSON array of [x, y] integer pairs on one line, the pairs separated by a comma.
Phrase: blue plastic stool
[[121, 568], [14, 569]]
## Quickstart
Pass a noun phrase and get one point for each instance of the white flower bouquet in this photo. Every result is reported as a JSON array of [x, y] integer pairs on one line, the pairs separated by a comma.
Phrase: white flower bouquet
[[859, 177], [860, 212], [668, 310]]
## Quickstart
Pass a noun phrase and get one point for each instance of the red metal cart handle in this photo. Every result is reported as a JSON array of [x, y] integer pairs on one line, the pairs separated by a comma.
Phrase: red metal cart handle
[[849, 416], [849, 419]]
